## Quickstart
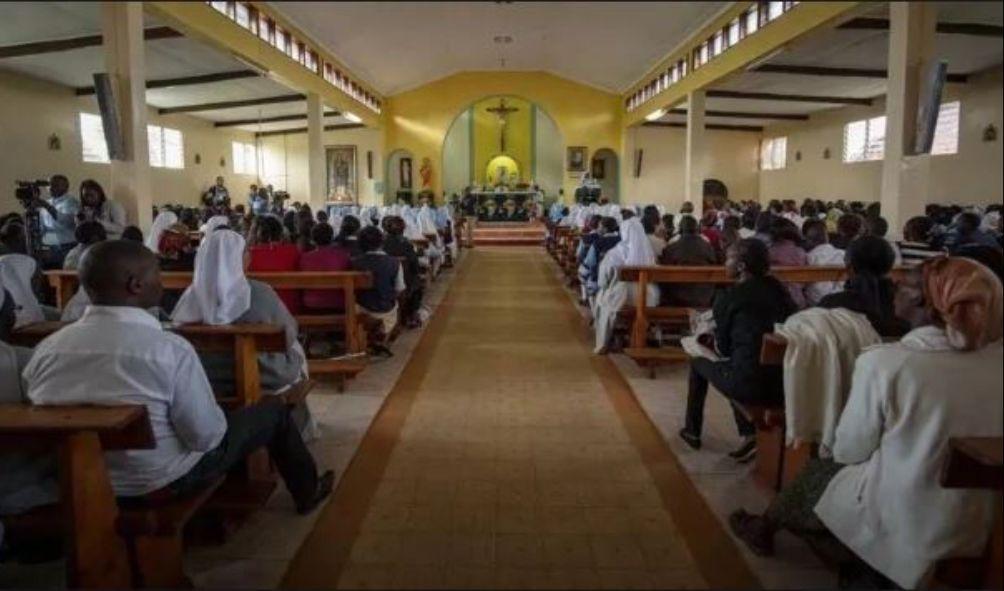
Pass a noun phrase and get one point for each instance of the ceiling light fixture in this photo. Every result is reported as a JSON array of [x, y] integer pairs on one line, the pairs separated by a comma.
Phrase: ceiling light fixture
[[655, 115], [351, 117]]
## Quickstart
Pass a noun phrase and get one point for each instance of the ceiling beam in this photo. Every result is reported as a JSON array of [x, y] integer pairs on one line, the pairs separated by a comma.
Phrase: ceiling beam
[[269, 100], [186, 80], [304, 129], [795, 98], [838, 72], [277, 119], [55, 45], [745, 115], [882, 24], [713, 126]]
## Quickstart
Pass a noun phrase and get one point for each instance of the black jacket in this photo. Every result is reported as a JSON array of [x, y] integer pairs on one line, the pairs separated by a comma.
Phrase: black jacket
[[399, 246], [743, 314]]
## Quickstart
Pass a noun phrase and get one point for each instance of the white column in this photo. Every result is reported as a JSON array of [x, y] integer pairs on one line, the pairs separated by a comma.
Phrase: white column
[[316, 167], [122, 29], [696, 159], [905, 187]]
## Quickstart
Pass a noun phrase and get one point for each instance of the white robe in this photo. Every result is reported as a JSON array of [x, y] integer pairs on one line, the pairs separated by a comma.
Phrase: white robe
[[16, 272], [908, 398], [824, 255], [634, 249]]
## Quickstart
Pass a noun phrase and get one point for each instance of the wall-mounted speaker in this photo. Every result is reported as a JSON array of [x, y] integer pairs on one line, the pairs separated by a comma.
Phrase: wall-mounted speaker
[[110, 121]]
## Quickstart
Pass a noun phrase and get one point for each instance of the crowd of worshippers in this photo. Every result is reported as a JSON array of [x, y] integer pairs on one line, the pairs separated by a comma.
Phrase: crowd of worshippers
[[877, 383]]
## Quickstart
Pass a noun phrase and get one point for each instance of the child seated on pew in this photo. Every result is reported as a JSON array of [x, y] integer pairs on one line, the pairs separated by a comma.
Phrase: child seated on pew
[[220, 293], [271, 254], [326, 257], [117, 353], [880, 493], [380, 301], [396, 245]]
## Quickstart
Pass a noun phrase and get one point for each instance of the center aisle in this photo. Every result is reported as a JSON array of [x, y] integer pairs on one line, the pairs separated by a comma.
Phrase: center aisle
[[508, 456]]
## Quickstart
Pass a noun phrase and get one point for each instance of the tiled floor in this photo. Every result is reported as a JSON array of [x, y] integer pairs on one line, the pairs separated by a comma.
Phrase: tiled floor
[[512, 469]]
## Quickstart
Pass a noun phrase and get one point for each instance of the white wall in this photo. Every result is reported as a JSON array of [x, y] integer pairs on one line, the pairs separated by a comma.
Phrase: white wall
[[549, 158], [457, 173], [732, 158], [973, 175], [284, 161], [31, 110]]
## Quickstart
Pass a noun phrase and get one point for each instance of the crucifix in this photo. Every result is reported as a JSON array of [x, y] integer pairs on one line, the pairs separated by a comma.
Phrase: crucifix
[[502, 112]]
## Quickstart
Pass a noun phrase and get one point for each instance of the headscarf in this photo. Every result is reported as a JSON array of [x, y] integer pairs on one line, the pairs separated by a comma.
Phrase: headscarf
[[426, 221], [634, 248], [165, 220], [968, 297], [217, 221], [220, 292], [16, 272]]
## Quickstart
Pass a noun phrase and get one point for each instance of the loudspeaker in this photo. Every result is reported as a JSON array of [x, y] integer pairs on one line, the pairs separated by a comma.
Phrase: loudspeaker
[[637, 162], [930, 105], [109, 116]]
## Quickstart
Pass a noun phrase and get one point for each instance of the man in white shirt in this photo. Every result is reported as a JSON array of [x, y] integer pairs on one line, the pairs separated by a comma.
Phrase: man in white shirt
[[820, 253], [58, 215], [117, 353]]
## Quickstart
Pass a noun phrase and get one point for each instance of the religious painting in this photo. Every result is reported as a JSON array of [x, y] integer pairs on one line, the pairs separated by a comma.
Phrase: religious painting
[[405, 169], [598, 169], [576, 158], [342, 184]]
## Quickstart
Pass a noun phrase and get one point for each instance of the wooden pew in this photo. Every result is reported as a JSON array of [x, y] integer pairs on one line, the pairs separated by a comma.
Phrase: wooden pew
[[97, 556], [713, 275], [65, 284], [976, 462]]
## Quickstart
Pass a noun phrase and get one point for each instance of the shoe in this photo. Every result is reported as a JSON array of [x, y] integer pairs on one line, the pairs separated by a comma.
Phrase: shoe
[[746, 452], [324, 486], [754, 531], [694, 441]]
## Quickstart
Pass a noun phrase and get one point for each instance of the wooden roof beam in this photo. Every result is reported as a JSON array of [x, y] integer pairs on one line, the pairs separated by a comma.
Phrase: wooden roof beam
[[68, 44], [745, 115], [838, 72], [186, 80], [269, 100], [882, 24], [796, 98], [276, 119], [304, 129]]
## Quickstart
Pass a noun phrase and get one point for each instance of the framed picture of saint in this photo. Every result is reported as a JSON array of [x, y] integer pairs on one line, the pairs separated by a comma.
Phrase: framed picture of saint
[[405, 166], [342, 184], [576, 158]]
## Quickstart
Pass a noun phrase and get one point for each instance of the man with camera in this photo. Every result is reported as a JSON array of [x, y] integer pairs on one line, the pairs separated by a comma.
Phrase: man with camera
[[59, 221]]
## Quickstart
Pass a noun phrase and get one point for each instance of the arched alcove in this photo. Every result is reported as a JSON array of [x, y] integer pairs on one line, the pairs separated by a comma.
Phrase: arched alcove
[[400, 175], [605, 170]]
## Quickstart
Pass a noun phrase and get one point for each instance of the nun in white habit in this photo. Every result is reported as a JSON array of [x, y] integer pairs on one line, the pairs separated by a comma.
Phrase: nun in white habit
[[165, 220], [221, 293], [634, 249], [16, 273], [214, 223], [427, 226]]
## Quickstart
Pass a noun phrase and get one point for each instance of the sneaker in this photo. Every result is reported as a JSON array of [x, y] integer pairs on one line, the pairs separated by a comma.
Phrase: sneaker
[[746, 452], [324, 486], [694, 441]]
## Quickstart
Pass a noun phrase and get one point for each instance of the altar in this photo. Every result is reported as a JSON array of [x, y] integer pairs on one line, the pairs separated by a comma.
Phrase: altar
[[492, 205]]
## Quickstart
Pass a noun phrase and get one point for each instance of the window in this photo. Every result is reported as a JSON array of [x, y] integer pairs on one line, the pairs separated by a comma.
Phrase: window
[[92, 138], [773, 153], [167, 149], [735, 29], [946, 132], [774, 10], [864, 140], [752, 20], [245, 158], [243, 15], [718, 43]]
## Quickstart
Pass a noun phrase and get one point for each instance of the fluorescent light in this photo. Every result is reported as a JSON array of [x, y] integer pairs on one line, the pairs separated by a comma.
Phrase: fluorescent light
[[352, 117], [655, 115]]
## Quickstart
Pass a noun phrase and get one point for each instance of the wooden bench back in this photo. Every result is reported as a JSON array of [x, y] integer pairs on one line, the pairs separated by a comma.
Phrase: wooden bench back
[[96, 555]]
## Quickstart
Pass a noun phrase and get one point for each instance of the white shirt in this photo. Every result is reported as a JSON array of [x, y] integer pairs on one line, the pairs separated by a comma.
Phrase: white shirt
[[906, 400], [122, 355], [824, 255]]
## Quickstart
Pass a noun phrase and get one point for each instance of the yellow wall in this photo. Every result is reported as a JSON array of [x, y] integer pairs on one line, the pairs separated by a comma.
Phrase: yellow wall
[[31, 110], [732, 159], [417, 120], [518, 136], [971, 176]]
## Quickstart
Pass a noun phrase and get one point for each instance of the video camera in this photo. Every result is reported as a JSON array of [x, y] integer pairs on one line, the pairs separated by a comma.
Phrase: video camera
[[26, 192]]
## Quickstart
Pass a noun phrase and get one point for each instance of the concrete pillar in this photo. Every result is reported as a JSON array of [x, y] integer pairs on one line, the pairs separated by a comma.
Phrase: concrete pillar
[[317, 172], [905, 186], [122, 29], [696, 159]]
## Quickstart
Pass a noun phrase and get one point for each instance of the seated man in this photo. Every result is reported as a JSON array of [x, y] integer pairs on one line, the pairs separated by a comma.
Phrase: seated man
[[117, 353], [880, 495], [396, 245], [690, 248], [87, 233], [380, 301], [326, 257]]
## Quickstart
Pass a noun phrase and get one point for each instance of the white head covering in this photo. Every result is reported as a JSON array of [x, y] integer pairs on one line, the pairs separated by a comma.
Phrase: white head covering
[[635, 247], [220, 292], [165, 220], [411, 231], [212, 224], [16, 271], [426, 220]]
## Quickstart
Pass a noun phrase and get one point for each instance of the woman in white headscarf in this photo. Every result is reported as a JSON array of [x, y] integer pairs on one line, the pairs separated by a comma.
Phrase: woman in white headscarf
[[221, 293], [214, 223], [633, 250], [165, 220], [427, 226], [16, 274]]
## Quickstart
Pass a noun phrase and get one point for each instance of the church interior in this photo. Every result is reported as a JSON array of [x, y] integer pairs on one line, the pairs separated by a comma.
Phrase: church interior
[[432, 295]]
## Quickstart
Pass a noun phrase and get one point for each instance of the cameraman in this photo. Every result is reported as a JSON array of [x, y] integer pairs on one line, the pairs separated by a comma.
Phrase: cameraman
[[58, 215]]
